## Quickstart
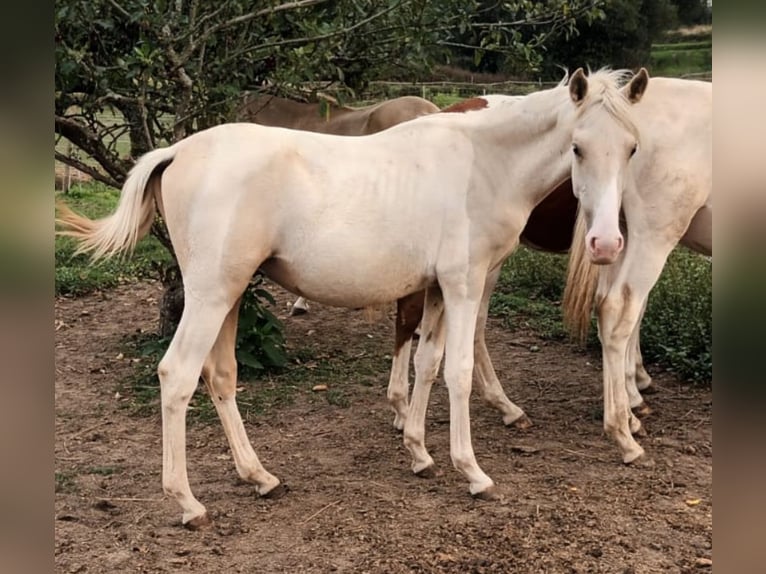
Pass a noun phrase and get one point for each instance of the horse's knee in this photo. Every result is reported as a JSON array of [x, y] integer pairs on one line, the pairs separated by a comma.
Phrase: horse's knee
[[176, 389]]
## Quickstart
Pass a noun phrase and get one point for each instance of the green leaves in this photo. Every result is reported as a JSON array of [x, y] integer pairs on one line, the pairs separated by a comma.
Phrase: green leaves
[[260, 339], [171, 68]]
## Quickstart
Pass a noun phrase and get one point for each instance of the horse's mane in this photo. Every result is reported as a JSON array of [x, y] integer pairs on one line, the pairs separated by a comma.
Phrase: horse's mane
[[604, 89]]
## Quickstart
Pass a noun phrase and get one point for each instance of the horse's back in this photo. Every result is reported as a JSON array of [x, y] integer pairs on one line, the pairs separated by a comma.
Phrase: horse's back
[[675, 118], [392, 112]]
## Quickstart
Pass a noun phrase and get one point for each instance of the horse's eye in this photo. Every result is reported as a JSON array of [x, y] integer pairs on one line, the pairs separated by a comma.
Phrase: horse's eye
[[633, 151], [576, 150]]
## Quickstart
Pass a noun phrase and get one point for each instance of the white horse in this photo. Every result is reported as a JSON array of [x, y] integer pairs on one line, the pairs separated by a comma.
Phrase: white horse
[[437, 203], [661, 197], [331, 118]]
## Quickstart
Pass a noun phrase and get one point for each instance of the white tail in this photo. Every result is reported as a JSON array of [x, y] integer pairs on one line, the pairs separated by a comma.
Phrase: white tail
[[120, 231], [580, 290]]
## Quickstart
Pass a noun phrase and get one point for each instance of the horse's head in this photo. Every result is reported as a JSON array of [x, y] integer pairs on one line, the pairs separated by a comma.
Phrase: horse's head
[[604, 141]]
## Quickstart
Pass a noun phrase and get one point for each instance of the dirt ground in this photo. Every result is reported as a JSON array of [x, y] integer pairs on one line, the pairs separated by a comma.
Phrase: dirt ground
[[568, 504]]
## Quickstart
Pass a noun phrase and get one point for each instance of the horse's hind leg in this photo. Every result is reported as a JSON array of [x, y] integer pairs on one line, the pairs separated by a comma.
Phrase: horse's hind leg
[[486, 378], [427, 361], [635, 372], [409, 311], [220, 376], [209, 298], [179, 372]]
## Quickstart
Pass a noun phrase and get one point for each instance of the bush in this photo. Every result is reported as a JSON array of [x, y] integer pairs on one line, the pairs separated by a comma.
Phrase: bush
[[677, 330], [260, 335]]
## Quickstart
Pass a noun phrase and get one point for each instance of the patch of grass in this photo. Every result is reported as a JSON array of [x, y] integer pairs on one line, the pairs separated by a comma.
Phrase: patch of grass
[[683, 52], [64, 482], [103, 470], [74, 273], [674, 62], [528, 293], [337, 397]]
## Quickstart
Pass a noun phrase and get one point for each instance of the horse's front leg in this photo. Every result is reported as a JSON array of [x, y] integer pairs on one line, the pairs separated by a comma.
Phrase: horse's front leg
[[619, 314], [461, 308]]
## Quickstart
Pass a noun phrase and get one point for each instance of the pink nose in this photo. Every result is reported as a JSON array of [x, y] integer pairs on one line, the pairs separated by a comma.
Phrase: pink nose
[[604, 250]]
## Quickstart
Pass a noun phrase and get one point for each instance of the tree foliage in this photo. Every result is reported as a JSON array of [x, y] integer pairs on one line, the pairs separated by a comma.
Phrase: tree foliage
[[151, 72], [622, 38]]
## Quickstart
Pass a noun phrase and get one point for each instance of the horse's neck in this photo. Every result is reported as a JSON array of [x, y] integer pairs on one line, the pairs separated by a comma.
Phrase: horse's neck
[[538, 133]]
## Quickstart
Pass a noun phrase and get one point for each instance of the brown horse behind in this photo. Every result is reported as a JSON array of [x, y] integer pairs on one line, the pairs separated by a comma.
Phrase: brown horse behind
[[330, 118]]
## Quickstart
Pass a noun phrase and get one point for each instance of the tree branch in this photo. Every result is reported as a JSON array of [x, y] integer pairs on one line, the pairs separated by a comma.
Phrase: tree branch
[[292, 41], [85, 168], [91, 143], [265, 12]]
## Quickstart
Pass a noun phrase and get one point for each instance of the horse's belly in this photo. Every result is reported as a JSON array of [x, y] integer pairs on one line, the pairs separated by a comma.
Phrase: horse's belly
[[342, 283]]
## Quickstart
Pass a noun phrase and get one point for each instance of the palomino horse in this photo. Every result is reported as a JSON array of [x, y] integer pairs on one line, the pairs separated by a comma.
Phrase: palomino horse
[[434, 204], [268, 110], [550, 228], [341, 120], [658, 199]]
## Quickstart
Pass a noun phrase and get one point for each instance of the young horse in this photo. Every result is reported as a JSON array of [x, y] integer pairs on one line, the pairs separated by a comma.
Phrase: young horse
[[279, 112], [550, 228], [661, 197], [435, 204]]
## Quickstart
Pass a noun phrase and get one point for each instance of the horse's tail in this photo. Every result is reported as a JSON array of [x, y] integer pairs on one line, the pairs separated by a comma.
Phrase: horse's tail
[[582, 280], [120, 231]]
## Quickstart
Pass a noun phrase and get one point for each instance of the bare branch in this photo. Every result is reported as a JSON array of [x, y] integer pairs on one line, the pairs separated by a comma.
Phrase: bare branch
[[85, 168], [90, 142]]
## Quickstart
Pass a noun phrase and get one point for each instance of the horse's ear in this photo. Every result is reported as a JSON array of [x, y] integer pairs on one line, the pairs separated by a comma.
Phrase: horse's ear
[[636, 87], [578, 86]]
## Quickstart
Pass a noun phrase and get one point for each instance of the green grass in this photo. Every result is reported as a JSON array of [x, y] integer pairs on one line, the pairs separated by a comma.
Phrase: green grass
[[528, 293], [678, 329], [64, 482], [74, 273], [683, 52]]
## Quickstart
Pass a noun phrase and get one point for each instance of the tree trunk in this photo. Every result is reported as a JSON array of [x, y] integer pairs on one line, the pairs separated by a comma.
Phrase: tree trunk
[[172, 304]]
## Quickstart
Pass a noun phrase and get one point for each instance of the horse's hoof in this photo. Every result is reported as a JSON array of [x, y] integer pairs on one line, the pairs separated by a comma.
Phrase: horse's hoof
[[650, 389], [427, 472], [521, 423], [642, 410], [489, 494], [199, 522], [640, 432], [277, 492], [295, 311], [640, 461]]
